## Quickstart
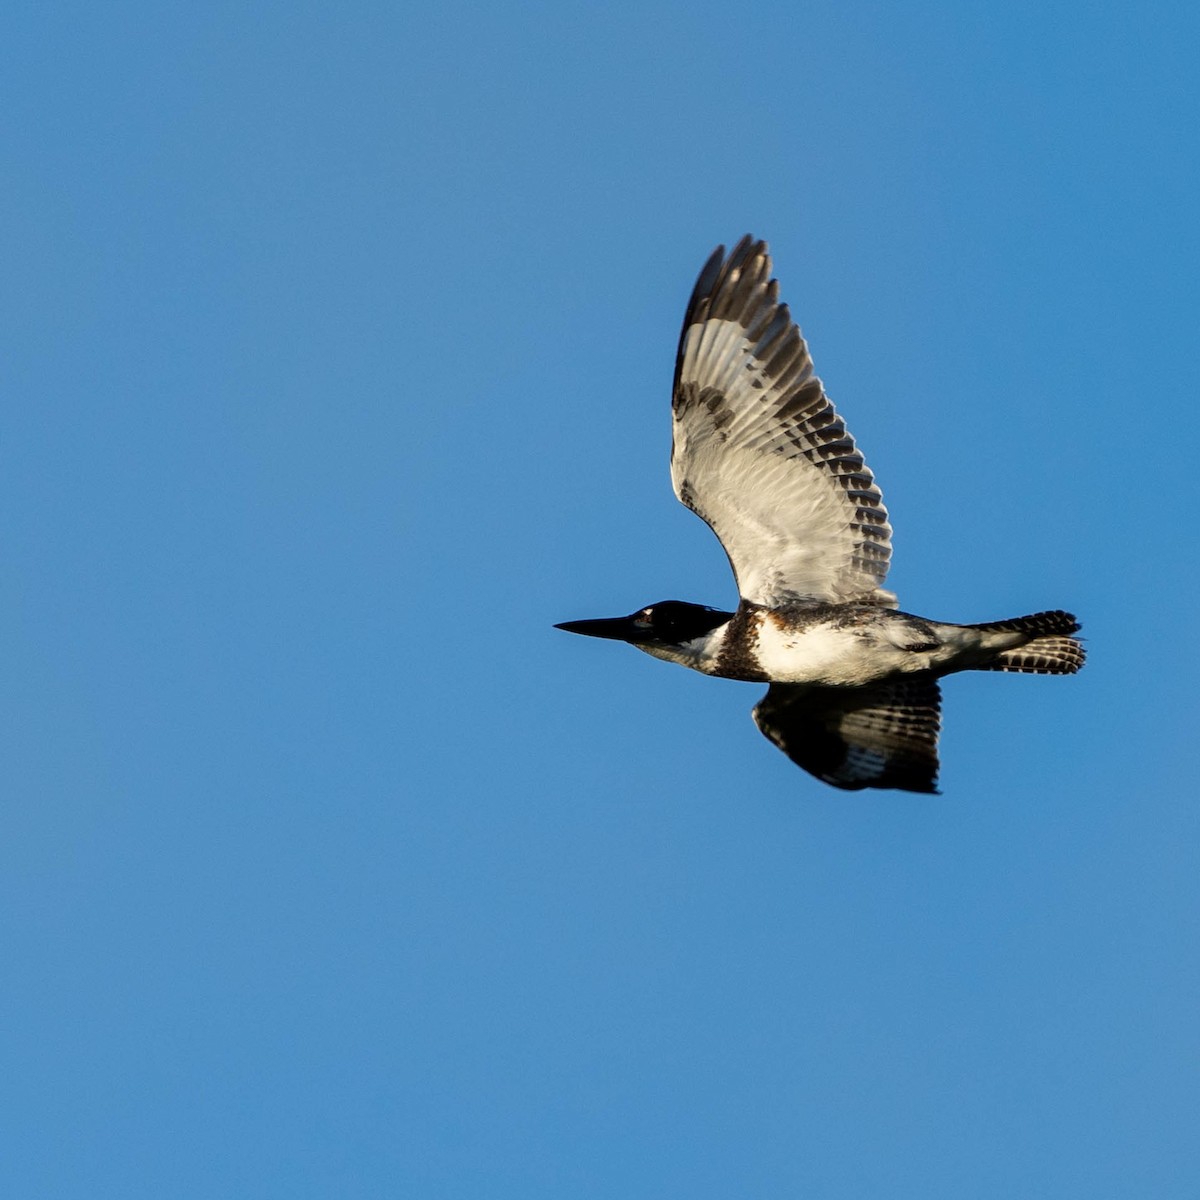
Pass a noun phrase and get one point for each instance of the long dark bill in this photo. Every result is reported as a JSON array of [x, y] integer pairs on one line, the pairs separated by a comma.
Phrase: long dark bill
[[619, 629]]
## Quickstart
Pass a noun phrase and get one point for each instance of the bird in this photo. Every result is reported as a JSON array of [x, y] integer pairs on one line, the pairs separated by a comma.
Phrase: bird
[[761, 455]]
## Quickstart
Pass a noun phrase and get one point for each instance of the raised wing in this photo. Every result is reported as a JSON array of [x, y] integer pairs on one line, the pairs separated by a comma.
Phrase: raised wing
[[759, 451], [883, 736]]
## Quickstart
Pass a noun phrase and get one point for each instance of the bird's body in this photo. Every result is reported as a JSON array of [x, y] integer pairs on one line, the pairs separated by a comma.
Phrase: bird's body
[[760, 454], [841, 645]]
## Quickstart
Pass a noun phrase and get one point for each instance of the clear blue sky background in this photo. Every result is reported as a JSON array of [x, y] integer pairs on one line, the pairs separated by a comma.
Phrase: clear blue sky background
[[338, 345]]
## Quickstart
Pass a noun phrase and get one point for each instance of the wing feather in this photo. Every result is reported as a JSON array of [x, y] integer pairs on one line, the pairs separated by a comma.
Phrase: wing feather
[[759, 451], [882, 736]]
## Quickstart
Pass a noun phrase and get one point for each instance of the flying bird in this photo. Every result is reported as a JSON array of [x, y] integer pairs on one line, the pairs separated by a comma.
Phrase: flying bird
[[760, 454]]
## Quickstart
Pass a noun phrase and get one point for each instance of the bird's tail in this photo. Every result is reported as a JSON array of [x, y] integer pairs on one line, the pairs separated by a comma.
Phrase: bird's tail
[[1049, 650]]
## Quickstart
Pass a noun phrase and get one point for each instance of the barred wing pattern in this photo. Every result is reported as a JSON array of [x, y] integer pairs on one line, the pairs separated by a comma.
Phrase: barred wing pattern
[[759, 452], [882, 736]]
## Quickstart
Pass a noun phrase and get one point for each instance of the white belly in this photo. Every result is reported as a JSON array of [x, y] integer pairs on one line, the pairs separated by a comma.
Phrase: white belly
[[828, 654]]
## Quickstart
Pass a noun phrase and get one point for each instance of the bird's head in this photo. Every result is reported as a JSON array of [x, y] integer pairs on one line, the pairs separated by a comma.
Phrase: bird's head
[[672, 629]]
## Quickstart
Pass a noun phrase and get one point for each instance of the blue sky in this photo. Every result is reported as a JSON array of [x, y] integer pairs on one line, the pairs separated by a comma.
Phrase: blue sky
[[339, 341]]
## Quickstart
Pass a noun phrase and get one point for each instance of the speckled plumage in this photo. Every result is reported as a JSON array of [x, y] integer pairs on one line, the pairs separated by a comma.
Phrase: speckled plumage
[[761, 455]]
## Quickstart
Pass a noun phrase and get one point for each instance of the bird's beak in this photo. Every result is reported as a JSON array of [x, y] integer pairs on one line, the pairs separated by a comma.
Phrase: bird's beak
[[618, 629]]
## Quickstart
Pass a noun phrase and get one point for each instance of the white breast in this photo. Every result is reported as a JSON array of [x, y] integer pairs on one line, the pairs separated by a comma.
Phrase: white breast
[[823, 653]]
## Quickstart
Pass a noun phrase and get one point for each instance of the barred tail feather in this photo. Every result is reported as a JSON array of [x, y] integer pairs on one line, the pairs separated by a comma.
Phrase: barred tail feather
[[1050, 651], [1042, 656], [1036, 624]]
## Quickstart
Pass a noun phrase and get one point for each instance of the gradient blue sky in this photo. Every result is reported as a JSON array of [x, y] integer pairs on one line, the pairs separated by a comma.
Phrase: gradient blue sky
[[338, 348]]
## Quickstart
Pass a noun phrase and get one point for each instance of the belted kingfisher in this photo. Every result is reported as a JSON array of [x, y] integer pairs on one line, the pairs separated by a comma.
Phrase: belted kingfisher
[[760, 454]]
